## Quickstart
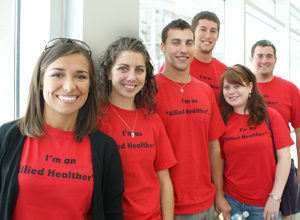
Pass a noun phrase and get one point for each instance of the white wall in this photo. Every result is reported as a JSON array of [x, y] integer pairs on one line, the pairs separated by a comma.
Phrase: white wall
[[105, 21]]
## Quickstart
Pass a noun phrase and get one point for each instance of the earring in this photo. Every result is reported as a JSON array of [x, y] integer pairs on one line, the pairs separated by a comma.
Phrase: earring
[[249, 95], [109, 86]]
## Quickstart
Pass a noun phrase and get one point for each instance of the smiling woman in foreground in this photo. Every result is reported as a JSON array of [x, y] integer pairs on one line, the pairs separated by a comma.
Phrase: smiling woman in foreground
[[54, 163]]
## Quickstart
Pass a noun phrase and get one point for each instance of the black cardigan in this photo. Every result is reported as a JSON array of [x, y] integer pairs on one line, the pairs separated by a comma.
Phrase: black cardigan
[[107, 171]]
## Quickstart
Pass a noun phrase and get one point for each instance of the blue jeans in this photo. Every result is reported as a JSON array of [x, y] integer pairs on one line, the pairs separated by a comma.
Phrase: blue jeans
[[255, 212]]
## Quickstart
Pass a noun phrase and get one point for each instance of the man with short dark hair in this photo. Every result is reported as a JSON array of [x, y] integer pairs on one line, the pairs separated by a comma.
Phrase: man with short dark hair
[[204, 67], [193, 123], [280, 94]]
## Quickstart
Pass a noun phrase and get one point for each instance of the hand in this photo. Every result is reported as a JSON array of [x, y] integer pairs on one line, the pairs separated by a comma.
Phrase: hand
[[221, 205], [271, 209], [298, 175]]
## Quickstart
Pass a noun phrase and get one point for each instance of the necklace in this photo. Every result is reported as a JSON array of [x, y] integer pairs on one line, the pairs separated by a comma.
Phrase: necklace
[[181, 87], [131, 130]]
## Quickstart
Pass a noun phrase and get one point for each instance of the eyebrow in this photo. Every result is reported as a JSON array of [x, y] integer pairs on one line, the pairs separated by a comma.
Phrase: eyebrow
[[266, 54], [61, 69], [177, 39], [206, 27], [124, 64]]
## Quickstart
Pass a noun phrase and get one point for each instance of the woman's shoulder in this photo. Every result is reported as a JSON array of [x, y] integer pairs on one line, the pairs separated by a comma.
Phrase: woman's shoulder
[[99, 135], [9, 127], [272, 112], [102, 142], [275, 117]]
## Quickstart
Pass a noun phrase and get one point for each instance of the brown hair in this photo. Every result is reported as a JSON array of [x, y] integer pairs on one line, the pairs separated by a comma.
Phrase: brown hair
[[143, 99], [175, 24], [256, 105], [205, 15], [32, 124], [263, 43]]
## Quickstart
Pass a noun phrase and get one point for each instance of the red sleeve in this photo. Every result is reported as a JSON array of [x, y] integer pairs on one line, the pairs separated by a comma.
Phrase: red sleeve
[[217, 125], [295, 121], [165, 157], [281, 134]]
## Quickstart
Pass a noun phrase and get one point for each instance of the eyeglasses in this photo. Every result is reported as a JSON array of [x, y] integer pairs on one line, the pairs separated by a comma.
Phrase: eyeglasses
[[57, 41]]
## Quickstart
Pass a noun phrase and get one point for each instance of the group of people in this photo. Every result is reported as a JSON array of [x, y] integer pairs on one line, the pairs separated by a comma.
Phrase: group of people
[[124, 143]]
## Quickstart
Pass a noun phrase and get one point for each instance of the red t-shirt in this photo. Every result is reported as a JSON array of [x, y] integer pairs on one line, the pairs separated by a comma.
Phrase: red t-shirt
[[209, 73], [249, 160], [148, 152], [283, 96], [191, 119], [206, 72], [55, 178]]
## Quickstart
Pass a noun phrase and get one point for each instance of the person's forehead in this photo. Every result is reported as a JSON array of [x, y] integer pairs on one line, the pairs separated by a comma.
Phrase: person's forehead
[[264, 50], [207, 23], [185, 34]]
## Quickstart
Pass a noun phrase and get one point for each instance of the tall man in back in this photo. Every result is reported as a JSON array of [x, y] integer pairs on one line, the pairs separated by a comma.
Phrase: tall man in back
[[192, 120], [204, 67], [206, 26], [280, 94]]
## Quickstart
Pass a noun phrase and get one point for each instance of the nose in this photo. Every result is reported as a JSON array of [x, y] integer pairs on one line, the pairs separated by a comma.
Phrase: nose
[[264, 59], [131, 75], [183, 48], [69, 85], [231, 90], [207, 34]]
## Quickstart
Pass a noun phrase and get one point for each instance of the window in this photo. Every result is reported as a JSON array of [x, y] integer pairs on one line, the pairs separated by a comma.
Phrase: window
[[35, 33], [7, 61], [295, 62], [155, 15], [256, 30], [267, 5]]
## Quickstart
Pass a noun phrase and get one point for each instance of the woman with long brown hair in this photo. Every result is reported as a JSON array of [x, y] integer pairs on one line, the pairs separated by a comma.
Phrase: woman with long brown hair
[[253, 181], [126, 73], [54, 163]]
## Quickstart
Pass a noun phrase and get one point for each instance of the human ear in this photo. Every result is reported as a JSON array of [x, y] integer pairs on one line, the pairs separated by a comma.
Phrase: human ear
[[162, 48]]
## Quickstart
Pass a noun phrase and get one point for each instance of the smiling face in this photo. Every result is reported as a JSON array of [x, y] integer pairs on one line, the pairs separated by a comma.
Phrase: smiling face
[[206, 35], [178, 49], [263, 62], [236, 95], [65, 87], [128, 78]]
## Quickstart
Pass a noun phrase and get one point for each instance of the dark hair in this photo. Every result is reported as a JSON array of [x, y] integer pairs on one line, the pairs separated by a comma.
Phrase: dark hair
[[32, 124], [205, 15], [175, 24], [262, 43], [256, 105], [143, 99]]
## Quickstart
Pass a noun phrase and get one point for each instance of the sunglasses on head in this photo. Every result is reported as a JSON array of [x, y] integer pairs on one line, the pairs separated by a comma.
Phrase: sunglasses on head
[[57, 41]]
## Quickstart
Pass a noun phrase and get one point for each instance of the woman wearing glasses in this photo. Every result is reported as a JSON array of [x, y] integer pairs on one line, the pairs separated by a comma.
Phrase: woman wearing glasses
[[127, 76], [54, 163], [252, 180]]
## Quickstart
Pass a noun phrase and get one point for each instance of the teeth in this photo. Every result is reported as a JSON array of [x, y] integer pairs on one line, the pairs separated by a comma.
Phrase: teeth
[[128, 86], [206, 42], [182, 58], [67, 98]]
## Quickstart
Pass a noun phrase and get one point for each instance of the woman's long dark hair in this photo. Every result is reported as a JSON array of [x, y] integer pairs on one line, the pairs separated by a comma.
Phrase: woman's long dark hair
[[143, 99], [256, 105]]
